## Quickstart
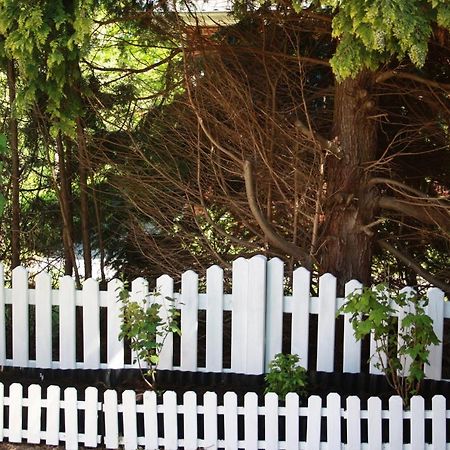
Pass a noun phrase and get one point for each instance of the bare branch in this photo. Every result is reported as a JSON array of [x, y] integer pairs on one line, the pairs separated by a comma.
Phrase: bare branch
[[413, 77]]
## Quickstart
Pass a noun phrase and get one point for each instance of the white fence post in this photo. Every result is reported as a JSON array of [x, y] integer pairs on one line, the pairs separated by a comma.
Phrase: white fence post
[[164, 287], [67, 323], [210, 419], [439, 413], [374, 423], [352, 347], [251, 421], [115, 346], [91, 324], [15, 412], [43, 320], [417, 423], [190, 420], [111, 414], [2, 317], [326, 323], [20, 319], [2, 404], [129, 420], [34, 414], [292, 409], [170, 420], [151, 420], [189, 320], [71, 418], [396, 421], [314, 423], [230, 420], [353, 423], [139, 293], [53, 409], [435, 309], [334, 421], [271, 421], [91, 417]]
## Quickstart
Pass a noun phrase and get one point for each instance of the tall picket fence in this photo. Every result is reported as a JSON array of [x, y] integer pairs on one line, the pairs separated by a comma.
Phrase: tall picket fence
[[38, 326], [196, 422]]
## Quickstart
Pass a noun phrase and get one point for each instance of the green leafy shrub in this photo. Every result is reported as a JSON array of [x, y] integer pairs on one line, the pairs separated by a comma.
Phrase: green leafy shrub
[[286, 375], [146, 331], [402, 349]]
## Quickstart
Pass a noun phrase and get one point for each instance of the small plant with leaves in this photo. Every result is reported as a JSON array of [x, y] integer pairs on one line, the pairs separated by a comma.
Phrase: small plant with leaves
[[286, 375], [144, 327], [402, 348]]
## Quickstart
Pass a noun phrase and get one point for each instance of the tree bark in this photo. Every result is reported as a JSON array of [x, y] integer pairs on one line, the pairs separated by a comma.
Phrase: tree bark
[[350, 202], [15, 167]]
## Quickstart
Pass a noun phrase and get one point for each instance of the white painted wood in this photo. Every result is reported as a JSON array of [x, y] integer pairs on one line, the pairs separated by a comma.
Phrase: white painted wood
[[313, 424], [139, 293], [164, 287], [43, 294], [374, 423], [91, 324], [239, 315], [352, 347], [353, 423], [435, 309], [300, 314], [374, 358], [53, 409], [438, 413], [274, 309], [2, 404], [150, 421], [256, 316], [189, 320], [170, 420], [34, 414], [251, 421], [395, 421], [20, 318], [110, 409], [326, 323], [91, 417], [271, 421], [292, 409], [115, 348], [230, 420], [190, 420], [2, 318], [214, 319], [15, 412], [210, 420], [67, 323], [71, 418], [401, 313], [334, 421], [417, 423], [129, 420]]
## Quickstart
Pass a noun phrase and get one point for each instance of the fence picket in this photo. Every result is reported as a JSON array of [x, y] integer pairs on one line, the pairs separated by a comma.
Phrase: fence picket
[[250, 421], [91, 324], [189, 320], [44, 319], [292, 409], [2, 407], [34, 414], [15, 412], [67, 323], [210, 420], [300, 314], [2, 318], [150, 421], [326, 323], [334, 421], [139, 293], [164, 287], [435, 309], [353, 423], [129, 420], [111, 414], [170, 420], [71, 418], [438, 411], [115, 348], [20, 323], [190, 420], [374, 423], [214, 319], [230, 407], [313, 424], [401, 313], [239, 315], [271, 421], [395, 421], [352, 347], [53, 409], [91, 417], [274, 309], [417, 423]]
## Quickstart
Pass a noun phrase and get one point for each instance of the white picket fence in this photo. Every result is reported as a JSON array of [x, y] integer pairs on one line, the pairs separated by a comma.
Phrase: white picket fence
[[257, 304], [207, 422]]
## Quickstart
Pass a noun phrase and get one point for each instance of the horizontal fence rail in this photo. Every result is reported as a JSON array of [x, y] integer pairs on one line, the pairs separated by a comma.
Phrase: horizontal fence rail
[[238, 331], [147, 421]]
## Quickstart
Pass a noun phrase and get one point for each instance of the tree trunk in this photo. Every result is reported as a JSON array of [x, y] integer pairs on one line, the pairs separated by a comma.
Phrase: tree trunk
[[15, 167], [350, 205]]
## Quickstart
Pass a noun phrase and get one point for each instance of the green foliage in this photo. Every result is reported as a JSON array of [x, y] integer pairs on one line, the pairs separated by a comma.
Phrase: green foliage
[[145, 330], [372, 32], [286, 375], [403, 348], [2, 152]]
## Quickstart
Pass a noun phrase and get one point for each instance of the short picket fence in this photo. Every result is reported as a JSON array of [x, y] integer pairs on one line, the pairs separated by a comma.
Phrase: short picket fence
[[206, 422]]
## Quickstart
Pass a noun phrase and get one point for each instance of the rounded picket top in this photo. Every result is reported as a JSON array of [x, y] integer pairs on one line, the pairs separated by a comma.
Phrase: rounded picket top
[[435, 294], [230, 397], [261, 258], [275, 261], [214, 270], [333, 397], [352, 286], [189, 275], [139, 289], [164, 283], [19, 274], [90, 284], [189, 397], [302, 272], [327, 279], [43, 278], [408, 291], [271, 397], [66, 281]]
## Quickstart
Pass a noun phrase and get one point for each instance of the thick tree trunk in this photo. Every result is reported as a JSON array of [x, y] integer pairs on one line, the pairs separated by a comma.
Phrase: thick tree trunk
[[15, 167], [350, 204]]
